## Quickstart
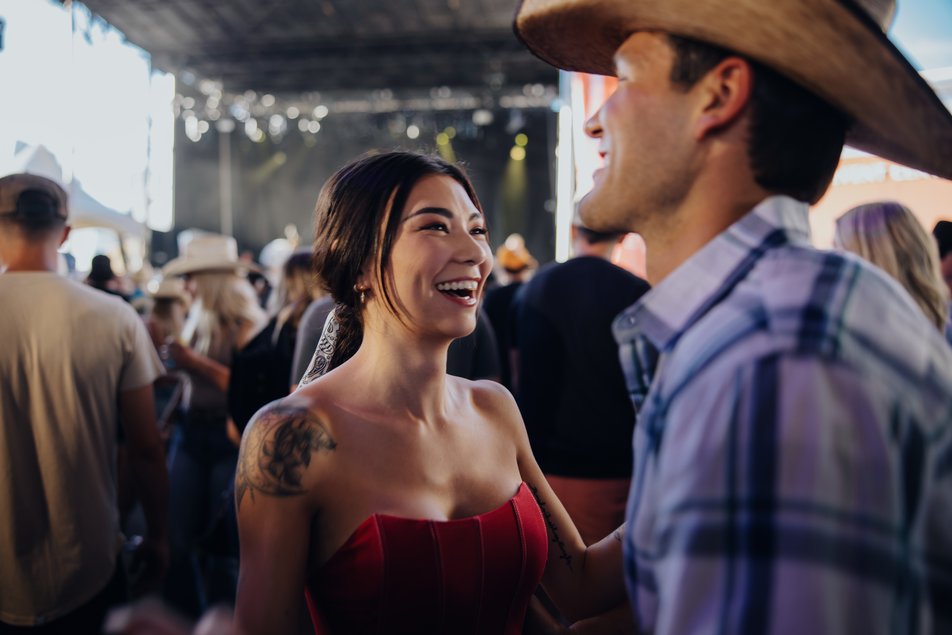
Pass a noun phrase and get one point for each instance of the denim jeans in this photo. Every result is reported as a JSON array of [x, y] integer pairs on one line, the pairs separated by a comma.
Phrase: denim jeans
[[201, 477]]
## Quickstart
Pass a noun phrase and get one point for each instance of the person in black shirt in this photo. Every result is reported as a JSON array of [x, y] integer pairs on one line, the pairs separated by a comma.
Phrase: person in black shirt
[[569, 383], [518, 264]]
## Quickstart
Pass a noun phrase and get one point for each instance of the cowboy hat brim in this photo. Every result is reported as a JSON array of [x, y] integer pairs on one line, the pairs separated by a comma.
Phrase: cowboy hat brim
[[181, 266], [831, 47]]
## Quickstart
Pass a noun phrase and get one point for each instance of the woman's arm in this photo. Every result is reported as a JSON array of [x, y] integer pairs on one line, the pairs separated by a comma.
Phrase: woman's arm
[[188, 360], [582, 581], [282, 456]]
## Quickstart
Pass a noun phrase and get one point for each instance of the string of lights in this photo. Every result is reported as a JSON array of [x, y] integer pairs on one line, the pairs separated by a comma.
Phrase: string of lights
[[201, 104]]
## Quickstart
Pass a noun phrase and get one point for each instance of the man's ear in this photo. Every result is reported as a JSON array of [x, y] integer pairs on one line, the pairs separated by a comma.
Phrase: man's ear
[[725, 93], [66, 230]]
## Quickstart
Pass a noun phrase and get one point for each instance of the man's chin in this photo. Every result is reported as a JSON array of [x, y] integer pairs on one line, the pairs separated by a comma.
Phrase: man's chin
[[596, 215]]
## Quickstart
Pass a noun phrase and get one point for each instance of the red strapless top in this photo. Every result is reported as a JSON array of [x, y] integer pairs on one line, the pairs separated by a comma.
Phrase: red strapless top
[[402, 575]]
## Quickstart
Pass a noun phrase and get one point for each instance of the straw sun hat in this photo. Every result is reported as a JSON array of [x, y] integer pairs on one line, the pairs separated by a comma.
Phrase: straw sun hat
[[513, 256], [209, 252], [170, 289], [837, 49]]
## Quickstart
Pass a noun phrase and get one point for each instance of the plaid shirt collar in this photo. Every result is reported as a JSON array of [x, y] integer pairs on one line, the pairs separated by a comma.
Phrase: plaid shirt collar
[[653, 325], [700, 282]]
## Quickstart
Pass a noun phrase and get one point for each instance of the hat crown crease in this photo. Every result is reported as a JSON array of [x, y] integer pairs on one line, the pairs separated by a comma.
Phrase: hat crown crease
[[881, 11]]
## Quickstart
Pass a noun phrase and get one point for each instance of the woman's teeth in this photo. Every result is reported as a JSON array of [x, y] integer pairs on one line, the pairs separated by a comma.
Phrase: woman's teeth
[[461, 288]]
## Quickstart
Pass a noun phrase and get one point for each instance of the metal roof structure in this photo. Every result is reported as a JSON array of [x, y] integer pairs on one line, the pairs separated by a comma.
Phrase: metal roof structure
[[294, 46]]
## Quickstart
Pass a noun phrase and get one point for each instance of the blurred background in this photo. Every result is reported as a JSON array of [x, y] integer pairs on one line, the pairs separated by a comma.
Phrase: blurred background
[[227, 116]]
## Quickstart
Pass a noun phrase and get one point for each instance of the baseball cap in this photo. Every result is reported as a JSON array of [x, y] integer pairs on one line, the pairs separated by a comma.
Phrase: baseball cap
[[29, 197]]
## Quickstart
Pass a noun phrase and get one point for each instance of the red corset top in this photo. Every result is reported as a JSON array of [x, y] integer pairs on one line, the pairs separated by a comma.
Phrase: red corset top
[[401, 575]]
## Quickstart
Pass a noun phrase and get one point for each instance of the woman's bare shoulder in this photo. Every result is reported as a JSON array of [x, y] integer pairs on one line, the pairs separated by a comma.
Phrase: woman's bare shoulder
[[493, 401], [489, 393], [282, 450]]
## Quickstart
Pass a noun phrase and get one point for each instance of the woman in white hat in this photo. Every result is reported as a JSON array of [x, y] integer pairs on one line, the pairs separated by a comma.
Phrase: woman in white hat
[[166, 318], [223, 318]]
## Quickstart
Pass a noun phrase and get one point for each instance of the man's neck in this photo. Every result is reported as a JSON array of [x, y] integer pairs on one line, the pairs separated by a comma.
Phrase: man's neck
[[33, 260], [713, 204]]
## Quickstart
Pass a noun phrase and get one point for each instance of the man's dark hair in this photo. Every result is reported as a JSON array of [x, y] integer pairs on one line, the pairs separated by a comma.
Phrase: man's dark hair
[[35, 216], [795, 138]]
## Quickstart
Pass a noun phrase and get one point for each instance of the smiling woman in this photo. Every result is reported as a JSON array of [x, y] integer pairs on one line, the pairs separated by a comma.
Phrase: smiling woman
[[359, 218], [398, 498]]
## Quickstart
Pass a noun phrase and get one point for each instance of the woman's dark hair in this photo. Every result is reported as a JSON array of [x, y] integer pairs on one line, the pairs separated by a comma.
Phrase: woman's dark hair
[[795, 137], [101, 269], [356, 219]]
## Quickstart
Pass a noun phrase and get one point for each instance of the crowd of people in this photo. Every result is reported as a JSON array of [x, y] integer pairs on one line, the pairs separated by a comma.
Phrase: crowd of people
[[392, 438]]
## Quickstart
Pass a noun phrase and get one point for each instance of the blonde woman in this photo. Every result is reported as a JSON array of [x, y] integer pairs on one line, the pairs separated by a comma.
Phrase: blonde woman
[[889, 235], [166, 319], [223, 318], [297, 288], [261, 372]]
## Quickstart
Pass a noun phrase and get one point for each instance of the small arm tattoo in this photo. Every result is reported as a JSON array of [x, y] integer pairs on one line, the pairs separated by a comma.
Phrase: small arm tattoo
[[552, 528], [277, 448]]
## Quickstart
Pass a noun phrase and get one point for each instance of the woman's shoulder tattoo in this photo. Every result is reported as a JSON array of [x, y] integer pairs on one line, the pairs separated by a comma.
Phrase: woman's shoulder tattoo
[[276, 450]]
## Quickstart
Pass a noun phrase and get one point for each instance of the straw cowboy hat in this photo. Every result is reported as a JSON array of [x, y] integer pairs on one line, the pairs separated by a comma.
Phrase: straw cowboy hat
[[209, 252], [513, 255], [170, 289], [837, 49]]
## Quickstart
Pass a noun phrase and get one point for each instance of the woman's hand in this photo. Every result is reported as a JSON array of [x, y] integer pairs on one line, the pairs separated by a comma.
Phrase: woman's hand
[[183, 356]]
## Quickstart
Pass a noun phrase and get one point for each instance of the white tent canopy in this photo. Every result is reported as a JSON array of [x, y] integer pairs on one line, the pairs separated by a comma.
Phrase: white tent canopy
[[84, 209]]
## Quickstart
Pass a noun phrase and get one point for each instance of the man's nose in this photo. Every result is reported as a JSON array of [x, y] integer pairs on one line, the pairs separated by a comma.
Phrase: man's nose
[[593, 127]]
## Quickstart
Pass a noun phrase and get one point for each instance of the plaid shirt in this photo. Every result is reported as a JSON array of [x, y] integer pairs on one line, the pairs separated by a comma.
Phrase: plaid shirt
[[793, 453]]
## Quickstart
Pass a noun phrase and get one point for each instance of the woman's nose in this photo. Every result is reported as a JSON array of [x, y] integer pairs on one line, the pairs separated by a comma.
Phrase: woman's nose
[[472, 249]]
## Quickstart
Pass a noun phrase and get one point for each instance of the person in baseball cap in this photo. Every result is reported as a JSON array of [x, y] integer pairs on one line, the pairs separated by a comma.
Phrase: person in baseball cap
[[76, 366], [31, 206], [32, 199], [794, 406]]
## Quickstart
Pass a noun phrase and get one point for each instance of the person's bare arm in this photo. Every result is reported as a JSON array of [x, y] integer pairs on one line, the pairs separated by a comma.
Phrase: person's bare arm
[[582, 581], [187, 359], [146, 458], [283, 451]]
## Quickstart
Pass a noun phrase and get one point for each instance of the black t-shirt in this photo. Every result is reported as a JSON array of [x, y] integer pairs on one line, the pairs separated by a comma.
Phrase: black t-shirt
[[475, 356], [497, 307], [571, 389]]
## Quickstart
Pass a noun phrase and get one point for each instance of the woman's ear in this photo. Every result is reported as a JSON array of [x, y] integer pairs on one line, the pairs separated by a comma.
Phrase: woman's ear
[[364, 280], [725, 93]]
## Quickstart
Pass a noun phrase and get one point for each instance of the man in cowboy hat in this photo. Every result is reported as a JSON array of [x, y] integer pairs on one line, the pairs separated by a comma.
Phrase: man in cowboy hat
[[75, 363], [793, 455]]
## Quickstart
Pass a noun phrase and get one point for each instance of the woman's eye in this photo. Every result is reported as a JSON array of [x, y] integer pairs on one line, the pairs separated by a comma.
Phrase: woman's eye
[[480, 231], [440, 227]]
